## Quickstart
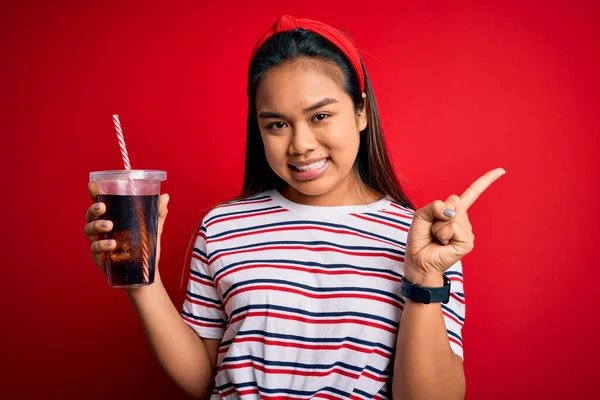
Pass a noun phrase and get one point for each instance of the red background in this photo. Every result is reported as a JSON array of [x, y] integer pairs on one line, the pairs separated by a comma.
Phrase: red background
[[463, 88]]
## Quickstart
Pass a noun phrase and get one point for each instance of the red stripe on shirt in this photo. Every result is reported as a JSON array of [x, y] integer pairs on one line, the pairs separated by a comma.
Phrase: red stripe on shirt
[[455, 278], [313, 321], [313, 295], [241, 203], [234, 217], [457, 298], [309, 270], [197, 257], [228, 393], [408, 216], [320, 248], [378, 221], [402, 208], [205, 324], [327, 396], [270, 342], [203, 303], [201, 281], [454, 341], [453, 318], [303, 228], [282, 371]]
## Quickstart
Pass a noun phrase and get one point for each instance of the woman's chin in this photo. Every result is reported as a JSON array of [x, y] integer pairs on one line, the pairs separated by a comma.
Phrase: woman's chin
[[316, 187]]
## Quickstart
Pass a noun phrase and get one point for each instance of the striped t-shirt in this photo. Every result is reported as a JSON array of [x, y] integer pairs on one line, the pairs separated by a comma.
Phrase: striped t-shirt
[[305, 299]]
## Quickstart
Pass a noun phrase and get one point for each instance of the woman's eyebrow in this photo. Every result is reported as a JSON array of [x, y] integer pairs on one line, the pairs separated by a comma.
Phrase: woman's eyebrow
[[319, 104], [269, 114], [316, 106]]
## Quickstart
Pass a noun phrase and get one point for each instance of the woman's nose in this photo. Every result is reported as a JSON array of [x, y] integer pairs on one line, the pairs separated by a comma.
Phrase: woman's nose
[[303, 140]]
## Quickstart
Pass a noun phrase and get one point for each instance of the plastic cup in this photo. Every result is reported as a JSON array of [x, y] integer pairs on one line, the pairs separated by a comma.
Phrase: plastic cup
[[131, 199]]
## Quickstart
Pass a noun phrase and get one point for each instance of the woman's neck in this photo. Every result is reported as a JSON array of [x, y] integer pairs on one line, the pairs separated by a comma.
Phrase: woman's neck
[[352, 191]]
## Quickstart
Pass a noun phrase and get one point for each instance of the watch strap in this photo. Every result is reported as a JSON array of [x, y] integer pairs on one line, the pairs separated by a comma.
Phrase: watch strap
[[426, 295]]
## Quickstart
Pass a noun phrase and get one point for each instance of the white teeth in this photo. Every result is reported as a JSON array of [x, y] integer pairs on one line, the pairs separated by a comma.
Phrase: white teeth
[[310, 167]]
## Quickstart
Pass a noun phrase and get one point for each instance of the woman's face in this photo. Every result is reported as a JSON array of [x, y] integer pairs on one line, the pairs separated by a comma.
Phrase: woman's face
[[310, 130]]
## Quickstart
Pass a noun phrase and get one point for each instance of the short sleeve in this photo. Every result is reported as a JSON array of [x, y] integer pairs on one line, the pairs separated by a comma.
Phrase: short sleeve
[[454, 310], [202, 308]]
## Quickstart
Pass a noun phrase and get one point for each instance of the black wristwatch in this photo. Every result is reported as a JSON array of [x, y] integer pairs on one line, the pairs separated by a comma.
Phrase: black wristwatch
[[426, 295]]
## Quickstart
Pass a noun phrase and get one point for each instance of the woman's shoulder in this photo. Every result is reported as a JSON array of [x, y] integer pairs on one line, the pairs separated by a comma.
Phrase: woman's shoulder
[[238, 205], [399, 206]]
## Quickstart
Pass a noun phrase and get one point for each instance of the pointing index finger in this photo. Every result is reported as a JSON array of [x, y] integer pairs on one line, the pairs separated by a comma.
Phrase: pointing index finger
[[479, 186]]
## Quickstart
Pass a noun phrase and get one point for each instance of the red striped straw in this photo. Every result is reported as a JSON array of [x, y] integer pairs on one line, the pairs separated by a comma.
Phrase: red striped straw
[[127, 165]]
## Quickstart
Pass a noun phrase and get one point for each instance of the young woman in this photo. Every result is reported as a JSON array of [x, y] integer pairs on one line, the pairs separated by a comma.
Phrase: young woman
[[311, 284]]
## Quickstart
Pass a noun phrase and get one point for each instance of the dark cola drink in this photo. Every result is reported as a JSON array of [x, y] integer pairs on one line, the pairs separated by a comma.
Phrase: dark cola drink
[[135, 222]]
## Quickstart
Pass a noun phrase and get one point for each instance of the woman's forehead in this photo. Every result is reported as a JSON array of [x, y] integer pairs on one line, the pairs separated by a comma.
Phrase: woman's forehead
[[299, 83]]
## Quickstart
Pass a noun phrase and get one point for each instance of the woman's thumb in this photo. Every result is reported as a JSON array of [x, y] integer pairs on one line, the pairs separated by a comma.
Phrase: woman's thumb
[[163, 201]]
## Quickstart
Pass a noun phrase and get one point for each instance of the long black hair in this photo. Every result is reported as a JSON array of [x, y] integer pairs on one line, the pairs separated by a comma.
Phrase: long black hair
[[372, 162]]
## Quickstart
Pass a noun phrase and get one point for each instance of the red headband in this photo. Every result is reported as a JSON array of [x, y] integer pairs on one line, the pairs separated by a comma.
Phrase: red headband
[[288, 23]]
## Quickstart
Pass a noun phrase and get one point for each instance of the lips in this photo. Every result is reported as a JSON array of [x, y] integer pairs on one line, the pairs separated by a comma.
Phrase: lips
[[310, 170], [304, 167]]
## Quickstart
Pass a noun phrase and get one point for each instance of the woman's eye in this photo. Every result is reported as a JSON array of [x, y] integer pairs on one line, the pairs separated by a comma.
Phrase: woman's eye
[[276, 125], [320, 117]]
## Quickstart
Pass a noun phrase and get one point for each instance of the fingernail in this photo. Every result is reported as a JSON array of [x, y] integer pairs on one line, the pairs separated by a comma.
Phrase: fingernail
[[104, 224], [97, 207], [110, 242], [448, 212]]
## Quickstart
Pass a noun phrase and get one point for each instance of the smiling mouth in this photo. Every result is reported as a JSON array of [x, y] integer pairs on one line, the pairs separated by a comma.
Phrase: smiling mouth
[[309, 167], [309, 172]]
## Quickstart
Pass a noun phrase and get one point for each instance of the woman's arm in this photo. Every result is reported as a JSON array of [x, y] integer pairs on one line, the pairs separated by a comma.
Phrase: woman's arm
[[425, 366], [440, 235], [189, 360]]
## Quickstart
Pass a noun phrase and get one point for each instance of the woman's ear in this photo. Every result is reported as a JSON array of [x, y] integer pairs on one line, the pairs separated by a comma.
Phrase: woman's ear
[[362, 116]]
